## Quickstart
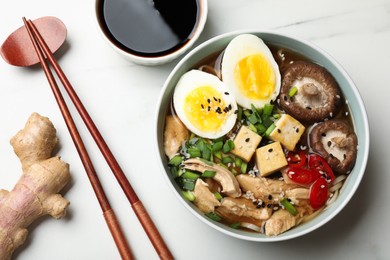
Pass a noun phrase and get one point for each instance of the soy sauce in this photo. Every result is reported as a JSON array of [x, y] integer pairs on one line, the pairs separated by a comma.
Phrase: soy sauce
[[149, 28]]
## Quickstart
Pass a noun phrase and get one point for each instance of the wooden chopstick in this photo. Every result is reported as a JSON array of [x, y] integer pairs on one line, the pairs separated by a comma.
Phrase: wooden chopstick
[[108, 213], [140, 211]]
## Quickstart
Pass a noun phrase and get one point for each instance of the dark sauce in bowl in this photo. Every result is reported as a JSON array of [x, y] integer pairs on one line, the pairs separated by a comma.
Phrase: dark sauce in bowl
[[149, 28]]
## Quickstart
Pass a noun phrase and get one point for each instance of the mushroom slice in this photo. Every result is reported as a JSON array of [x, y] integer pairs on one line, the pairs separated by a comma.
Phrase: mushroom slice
[[223, 176], [205, 200], [244, 207], [336, 142], [281, 221], [316, 96], [262, 187], [175, 134]]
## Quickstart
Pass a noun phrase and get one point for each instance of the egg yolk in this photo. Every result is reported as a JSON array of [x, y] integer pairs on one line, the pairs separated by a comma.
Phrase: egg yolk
[[204, 108], [255, 77]]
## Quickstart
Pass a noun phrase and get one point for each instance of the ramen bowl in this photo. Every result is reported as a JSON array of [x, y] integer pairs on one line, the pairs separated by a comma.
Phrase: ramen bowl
[[301, 47]]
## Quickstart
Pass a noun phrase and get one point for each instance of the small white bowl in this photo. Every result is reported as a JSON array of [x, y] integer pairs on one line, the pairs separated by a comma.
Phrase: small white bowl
[[155, 60], [355, 103]]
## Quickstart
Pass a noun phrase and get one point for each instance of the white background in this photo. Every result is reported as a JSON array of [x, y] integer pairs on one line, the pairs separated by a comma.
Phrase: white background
[[121, 98]]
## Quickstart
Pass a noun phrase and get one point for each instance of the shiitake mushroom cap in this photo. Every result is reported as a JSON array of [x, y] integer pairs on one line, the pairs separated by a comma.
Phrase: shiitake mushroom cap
[[318, 95], [336, 142]]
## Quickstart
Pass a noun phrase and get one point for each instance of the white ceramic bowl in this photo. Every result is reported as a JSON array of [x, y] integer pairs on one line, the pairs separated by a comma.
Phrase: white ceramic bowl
[[317, 55], [162, 59]]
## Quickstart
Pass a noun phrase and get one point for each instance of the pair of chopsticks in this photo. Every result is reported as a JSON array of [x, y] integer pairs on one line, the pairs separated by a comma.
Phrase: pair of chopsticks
[[157, 241]]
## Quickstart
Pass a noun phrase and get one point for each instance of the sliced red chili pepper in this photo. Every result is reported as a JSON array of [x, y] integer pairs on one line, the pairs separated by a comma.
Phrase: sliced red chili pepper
[[318, 193], [316, 162], [296, 159], [302, 176]]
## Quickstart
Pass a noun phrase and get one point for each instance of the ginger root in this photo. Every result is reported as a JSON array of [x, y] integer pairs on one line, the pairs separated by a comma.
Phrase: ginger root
[[36, 192]]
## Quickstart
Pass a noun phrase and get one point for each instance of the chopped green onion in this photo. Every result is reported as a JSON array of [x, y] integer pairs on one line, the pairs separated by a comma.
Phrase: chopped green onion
[[288, 206], [253, 119], [174, 172], [261, 128], [188, 195], [208, 174], [213, 216], [190, 175], [277, 116], [235, 225], [206, 153], [243, 167], [188, 184], [218, 196], [293, 91], [270, 129], [267, 110], [194, 152], [267, 121], [218, 155], [238, 161], [200, 144], [228, 146], [252, 127], [247, 113], [239, 113], [217, 146], [176, 160], [227, 159]]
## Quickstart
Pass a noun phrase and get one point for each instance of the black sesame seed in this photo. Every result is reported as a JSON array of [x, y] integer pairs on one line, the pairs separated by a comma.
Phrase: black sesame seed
[[279, 131], [215, 98], [329, 143], [247, 140], [258, 206], [285, 98], [270, 150], [345, 156], [230, 106], [297, 130], [226, 93], [270, 197], [323, 134], [208, 100], [269, 206], [202, 106], [219, 100], [288, 199], [208, 108], [263, 204], [308, 108], [236, 111], [331, 155]]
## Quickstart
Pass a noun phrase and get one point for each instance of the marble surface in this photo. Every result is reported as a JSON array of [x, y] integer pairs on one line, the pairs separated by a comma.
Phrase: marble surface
[[121, 98]]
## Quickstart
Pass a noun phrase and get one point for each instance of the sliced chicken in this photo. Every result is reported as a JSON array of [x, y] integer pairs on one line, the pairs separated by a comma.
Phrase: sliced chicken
[[280, 222], [205, 200], [175, 134], [245, 207], [223, 176]]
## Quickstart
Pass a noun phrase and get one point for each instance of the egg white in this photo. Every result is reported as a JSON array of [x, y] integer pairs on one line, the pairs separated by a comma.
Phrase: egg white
[[239, 48], [193, 80]]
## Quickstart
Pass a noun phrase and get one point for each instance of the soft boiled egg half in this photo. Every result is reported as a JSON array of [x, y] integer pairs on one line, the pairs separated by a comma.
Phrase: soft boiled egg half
[[204, 104], [250, 71]]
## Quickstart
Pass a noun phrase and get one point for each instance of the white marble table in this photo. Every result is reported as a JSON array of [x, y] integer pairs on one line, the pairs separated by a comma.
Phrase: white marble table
[[121, 98]]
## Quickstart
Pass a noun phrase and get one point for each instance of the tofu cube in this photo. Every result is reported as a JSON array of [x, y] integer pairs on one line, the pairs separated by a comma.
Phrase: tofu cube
[[288, 131], [270, 158], [245, 143]]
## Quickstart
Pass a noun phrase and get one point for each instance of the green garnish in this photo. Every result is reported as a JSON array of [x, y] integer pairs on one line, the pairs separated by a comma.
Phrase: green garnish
[[208, 174], [293, 91], [217, 146], [243, 167], [176, 160], [213, 216], [227, 159], [194, 152], [228, 146], [238, 161], [218, 196], [190, 175], [188, 195], [235, 225], [267, 110], [270, 129], [288, 206]]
